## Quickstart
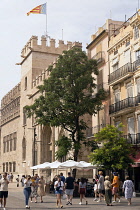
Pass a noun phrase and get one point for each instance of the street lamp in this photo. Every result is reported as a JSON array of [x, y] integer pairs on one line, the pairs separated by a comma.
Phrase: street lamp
[[34, 141]]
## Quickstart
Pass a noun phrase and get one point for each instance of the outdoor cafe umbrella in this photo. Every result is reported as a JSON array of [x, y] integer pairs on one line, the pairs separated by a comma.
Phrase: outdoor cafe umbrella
[[34, 167], [53, 165], [83, 165], [43, 165], [69, 164], [40, 166]]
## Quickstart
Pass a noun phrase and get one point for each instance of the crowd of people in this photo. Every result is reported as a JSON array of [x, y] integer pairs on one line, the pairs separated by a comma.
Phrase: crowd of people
[[103, 188]]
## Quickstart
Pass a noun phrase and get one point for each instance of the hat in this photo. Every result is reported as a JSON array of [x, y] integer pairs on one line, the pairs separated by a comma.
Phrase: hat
[[115, 173]]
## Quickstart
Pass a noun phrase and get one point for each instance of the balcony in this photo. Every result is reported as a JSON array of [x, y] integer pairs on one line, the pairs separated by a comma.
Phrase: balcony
[[123, 72], [100, 57], [120, 74], [133, 138], [93, 130], [126, 103]]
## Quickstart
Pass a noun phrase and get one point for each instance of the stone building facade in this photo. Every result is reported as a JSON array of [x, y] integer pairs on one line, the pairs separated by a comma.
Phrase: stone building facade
[[98, 49], [124, 82], [23, 142]]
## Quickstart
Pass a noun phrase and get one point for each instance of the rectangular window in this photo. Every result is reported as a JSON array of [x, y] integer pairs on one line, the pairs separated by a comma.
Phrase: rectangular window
[[3, 167], [117, 96], [137, 54], [115, 52], [24, 117], [7, 167], [131, 129], [15, 141], [10, 167], [139, 124], [117, 125], [11, 139], [4, 144], [127, 56], [136, 32], [116, 67], [8, 143], [127, 44], [129, 90], [138, 86], [14, 166], [25, 83]]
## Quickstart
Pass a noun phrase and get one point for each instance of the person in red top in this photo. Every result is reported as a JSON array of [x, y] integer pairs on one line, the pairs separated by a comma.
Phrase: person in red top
[[115, 185]]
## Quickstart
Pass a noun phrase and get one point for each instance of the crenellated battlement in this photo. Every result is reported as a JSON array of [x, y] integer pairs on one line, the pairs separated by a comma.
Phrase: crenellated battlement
[[11, 95], [32, 45]]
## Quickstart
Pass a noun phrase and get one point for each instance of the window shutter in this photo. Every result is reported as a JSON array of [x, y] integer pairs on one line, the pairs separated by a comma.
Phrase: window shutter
[[138, 86], [131, 128]]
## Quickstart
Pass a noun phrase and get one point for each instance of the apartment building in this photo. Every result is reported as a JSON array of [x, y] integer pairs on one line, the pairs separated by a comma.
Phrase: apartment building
[[97, 49], [124, 82]]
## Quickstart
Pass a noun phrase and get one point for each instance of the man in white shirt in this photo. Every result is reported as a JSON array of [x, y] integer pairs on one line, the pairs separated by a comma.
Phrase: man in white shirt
[[4, 190]]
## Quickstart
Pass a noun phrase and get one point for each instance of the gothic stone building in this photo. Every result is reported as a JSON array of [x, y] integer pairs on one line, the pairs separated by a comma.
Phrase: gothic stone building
[[23, 143]]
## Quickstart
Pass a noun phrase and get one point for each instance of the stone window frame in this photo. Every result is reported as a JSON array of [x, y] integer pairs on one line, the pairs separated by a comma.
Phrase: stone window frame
[[136, 32]]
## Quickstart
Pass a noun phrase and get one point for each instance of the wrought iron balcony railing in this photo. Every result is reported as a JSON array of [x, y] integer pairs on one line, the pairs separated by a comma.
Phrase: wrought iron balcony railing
[[133, 138], [100, 57], [123, 71], [126, 103], [93, 130]]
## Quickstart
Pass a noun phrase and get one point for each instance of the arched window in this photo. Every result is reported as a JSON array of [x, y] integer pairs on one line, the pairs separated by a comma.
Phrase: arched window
[[25, 83], [24, 149]]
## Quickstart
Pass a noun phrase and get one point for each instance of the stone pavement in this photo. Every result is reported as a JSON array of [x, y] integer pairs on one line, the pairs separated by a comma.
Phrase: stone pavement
[[16, 202]]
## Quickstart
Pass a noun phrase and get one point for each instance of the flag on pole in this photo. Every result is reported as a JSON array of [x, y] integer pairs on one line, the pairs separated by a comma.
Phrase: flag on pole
[[41, 9]]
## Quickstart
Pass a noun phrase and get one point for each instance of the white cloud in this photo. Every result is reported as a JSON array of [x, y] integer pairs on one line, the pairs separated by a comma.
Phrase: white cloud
[[77, 18]]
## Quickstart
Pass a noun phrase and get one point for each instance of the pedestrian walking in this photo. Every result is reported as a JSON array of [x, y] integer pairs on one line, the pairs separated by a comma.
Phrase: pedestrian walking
[[82, 190], [115, 190], [95, 187], [22, 180], [34, 189], [100, 186], [59, 188], [11, 179], [4, 190], [62, 177], [27, 190], [108, 191], [128, 188], [41, 188], [69, 186], [17, 179]]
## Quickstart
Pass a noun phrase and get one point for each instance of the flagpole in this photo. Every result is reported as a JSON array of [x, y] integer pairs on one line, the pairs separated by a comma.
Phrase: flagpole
[[46, 23]]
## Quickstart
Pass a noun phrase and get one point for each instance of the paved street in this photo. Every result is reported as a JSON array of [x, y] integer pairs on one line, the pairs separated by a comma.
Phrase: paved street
[[16, 201]]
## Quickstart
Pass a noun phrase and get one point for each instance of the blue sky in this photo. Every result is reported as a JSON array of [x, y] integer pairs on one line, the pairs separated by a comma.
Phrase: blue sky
[[79, 19]]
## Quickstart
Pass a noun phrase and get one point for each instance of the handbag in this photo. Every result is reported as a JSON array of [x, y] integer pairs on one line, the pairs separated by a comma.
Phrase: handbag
[[64, 196], [134, 194], [58, 188]]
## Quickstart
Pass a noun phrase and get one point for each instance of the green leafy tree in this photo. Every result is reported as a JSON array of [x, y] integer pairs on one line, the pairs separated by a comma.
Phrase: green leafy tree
[[115, 151], [66, 96]]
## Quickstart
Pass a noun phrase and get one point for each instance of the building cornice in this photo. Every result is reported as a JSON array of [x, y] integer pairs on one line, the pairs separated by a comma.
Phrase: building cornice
[[120, 42], [97, 39]]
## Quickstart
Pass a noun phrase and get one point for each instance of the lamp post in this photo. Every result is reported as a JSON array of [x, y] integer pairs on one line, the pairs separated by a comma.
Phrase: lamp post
[[34, 155], [34, 142]]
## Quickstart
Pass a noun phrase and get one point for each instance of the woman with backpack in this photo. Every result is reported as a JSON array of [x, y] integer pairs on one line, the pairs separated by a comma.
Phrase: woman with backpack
[[59, 188]]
